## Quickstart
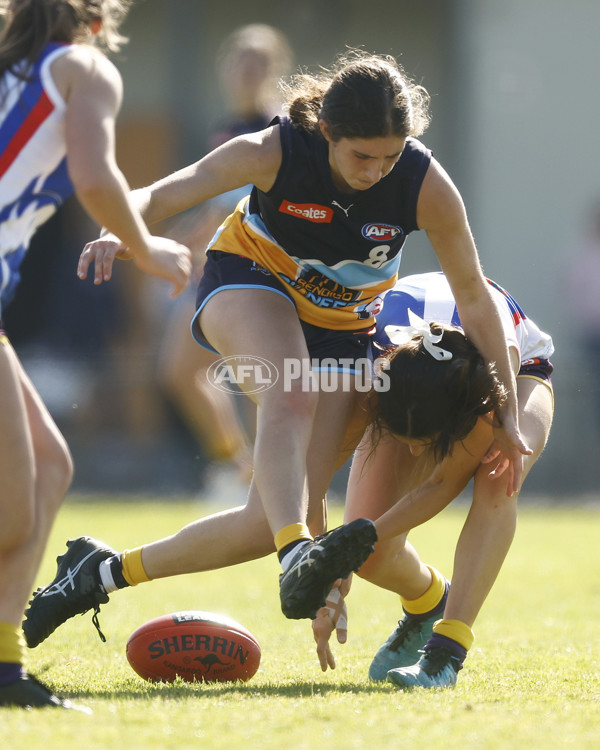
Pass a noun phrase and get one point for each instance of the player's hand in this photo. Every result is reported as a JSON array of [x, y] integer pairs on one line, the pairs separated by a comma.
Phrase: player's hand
[[167, 260], [163, 258], [506, 455], [333, 616], [101, 253]]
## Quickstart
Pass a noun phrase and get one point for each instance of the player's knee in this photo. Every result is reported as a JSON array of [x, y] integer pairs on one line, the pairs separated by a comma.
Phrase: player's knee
[[291, 404], [489, 494], [55, 470]]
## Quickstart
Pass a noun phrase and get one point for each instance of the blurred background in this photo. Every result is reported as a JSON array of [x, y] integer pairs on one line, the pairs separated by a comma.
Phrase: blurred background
[[515, 115]]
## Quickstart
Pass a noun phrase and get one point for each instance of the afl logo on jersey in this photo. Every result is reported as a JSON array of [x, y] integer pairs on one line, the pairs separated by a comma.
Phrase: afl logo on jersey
[[380, 232]]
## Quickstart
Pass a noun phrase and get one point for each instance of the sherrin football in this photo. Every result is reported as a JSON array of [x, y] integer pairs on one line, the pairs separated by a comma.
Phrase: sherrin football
[[196, 646]]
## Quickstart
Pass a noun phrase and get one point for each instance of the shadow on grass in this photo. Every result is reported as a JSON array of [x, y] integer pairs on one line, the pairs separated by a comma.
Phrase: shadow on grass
[[180, 689]]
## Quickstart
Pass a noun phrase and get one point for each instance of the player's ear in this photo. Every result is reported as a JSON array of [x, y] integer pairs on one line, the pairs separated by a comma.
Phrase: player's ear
[[325, 130]]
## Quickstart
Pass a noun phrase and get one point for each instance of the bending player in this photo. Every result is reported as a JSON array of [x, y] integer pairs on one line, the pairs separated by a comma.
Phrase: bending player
[[296, 273], [432, 434], [376, 483]]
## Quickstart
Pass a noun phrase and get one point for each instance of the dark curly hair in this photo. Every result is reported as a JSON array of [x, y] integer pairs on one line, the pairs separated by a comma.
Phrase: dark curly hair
[[438, 401]]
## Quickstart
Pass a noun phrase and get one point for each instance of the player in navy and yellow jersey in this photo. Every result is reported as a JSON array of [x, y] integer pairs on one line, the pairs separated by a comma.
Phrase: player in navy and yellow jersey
[[58, 101], [432, 432], [333, 260], [297, 273]]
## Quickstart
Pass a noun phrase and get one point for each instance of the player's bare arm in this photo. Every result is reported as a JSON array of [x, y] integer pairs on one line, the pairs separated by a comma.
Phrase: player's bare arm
[[445, 483], [92, 89], [91, 86], [442, 215], [248, 159]]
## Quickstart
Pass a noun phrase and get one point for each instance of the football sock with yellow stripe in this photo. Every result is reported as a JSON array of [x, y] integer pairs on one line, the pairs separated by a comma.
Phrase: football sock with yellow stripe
[[454, 635], [288, 538], [12, 653], [133, 568], [430, 603], [125, 569]]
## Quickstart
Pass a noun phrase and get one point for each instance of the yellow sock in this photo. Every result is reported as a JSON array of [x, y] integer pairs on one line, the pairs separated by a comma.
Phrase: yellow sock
[[12, 644], [430, 599], [133, 569], [457, 630], [291, 533]]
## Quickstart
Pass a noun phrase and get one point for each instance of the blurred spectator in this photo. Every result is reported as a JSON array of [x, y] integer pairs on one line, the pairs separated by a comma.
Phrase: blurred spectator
[[250, 62]]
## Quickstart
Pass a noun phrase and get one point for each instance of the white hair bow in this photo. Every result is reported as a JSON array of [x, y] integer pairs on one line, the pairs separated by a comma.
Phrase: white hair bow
[[400, 335]]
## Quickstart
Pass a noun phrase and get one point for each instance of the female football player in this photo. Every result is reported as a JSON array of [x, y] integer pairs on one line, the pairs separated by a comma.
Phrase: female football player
[[296, 274], [432, 433], [58, 100]]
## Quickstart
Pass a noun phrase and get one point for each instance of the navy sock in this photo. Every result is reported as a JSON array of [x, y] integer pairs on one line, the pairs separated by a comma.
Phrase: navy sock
[[289, 547], [10, 672], [458, 651], [111, 574]]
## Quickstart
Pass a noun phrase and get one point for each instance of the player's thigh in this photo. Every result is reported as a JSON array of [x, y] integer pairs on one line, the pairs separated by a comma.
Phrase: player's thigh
[[17, 465], [253, 322], [536, 410]]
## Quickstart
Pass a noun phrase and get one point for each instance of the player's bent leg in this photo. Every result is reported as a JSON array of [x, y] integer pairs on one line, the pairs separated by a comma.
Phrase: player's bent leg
[[311, 569]]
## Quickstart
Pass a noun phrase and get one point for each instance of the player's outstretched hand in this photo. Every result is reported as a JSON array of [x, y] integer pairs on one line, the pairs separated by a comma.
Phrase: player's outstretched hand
[[167, 260], [163, 258], [333, 616]]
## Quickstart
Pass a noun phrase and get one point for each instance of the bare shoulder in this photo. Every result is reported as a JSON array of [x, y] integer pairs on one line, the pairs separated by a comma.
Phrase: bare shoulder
[[264, 144], [84, 66], [439, 199], [257, 155]]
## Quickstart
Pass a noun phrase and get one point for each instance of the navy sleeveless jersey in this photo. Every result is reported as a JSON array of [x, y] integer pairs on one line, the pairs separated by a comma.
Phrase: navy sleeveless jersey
[[336, 252]]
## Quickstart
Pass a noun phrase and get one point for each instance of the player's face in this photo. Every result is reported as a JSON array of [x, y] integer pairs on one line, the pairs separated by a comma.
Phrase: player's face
[[359, 163]]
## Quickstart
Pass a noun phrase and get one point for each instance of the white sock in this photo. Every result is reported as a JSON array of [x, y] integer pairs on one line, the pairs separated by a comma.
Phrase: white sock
[[106, 577]]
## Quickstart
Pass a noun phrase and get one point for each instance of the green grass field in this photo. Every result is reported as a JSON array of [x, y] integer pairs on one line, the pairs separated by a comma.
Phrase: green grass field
[[532, 679]]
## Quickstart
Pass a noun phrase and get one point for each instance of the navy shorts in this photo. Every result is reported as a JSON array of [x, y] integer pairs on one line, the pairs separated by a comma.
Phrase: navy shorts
[[228, 271], [540, 369]]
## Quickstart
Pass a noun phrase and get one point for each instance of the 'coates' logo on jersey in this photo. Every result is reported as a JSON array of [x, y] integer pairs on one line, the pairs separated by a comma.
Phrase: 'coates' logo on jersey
[[310, 211], [380, 232]]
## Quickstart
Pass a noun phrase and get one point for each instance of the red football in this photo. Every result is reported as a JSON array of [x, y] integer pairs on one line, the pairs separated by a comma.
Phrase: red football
[[196, 646]]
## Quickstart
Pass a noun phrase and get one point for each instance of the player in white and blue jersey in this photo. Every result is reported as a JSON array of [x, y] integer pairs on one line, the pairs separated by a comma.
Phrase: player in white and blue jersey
[[435, 411], [59, 97]]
